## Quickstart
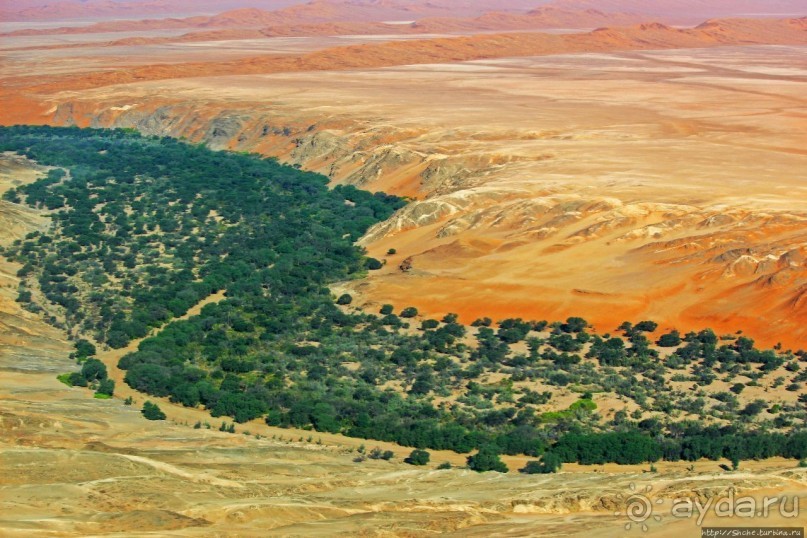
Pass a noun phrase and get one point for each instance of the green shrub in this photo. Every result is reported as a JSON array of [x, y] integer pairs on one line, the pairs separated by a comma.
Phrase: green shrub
[[75, 379], [106, 387], [418, 457], [550, 463], [487, 459], [152, 411], [65, 378], [373, 265], [409, 312], [93, 370]]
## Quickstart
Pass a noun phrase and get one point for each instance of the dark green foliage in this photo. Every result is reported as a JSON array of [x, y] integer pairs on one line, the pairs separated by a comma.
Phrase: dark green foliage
[[107, 387], [550, 463], [378, 454], [574, 325], [24, 296], [487, 459], [754, 408], [513, 330], [373, 265], [482, 322], [523, 439], [418, 457], [93, 370], [145, 228], [670, 339], [409, 312], [344, 299], [128, 195], [152, 411], [75, 379], [618, 447], [84, 349], [646, 326]]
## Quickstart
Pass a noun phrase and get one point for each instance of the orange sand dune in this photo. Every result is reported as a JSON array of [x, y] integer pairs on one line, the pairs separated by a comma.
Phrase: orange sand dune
[[312, 12], [241, 25], [691, 10], [639, 37]]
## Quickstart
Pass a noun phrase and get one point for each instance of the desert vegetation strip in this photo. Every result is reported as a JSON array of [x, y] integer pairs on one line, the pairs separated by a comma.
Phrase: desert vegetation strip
[[144, 228]]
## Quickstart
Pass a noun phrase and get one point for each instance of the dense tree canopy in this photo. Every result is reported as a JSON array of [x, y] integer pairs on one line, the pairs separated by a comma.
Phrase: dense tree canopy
[[146, 228]]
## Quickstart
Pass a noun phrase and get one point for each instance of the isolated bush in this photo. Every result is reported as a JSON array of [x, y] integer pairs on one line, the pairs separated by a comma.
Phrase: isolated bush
[[418, 457], [152, 411], [409, 312], [373, 265]]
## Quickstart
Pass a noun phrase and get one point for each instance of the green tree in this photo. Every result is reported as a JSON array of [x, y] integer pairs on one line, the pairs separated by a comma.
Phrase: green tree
[[737, 388], [487, 459], [550, 463], [93, 370], [106, 386], [152, 411], [418, 457], [670, 339], [646, 326], [84, 349], [373, 264], [409, 312], [77, 380]]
